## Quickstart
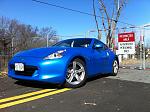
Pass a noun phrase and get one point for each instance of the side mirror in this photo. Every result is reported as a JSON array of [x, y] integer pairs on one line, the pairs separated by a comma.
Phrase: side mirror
[[98, 46]]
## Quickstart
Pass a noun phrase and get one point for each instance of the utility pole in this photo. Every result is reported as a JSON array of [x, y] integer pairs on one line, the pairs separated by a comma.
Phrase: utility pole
[[12, 46], [143, 49], [141, 66], [143, 45], [118, 4], [47, 39]]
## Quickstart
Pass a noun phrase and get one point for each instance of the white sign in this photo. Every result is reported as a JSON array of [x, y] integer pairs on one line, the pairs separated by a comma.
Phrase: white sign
[[126, 43], [126, 48]]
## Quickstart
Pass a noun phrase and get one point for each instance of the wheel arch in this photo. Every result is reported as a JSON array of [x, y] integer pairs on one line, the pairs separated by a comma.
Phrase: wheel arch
[[79, 57]]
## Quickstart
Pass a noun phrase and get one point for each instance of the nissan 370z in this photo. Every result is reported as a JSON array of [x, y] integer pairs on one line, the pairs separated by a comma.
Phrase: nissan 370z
[[69, 62]]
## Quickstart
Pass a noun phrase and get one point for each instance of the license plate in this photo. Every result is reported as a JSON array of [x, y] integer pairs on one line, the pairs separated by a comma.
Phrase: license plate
[[19, 67]]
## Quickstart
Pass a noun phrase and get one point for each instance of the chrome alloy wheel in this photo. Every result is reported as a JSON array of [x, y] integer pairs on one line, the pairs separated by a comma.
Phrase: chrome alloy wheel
[[115, 67], [75, 73]]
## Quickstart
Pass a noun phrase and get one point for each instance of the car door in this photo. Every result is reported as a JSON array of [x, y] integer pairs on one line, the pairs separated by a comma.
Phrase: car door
[[100, 57]]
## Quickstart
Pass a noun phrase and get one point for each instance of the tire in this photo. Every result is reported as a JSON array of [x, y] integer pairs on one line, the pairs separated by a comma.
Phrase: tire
[[115, 68], [76, 74]]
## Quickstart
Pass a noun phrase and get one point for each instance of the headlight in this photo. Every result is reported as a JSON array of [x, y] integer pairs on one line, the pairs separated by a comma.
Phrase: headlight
[[56, 55]]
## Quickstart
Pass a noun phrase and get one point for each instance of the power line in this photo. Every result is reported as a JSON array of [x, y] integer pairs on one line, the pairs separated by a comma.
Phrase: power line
[[131, 27], [73, 10]]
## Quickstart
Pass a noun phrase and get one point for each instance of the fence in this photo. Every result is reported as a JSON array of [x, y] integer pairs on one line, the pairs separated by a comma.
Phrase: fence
[[132, 61]]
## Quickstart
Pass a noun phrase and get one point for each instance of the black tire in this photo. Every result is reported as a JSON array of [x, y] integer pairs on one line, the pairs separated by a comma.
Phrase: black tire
[[82, 75], [115, 68]]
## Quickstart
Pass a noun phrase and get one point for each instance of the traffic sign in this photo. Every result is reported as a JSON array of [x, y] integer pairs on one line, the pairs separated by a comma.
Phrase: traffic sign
[[126, 43]]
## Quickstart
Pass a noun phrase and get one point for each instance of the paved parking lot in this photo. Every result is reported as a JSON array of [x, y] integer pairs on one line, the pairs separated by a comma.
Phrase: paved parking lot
[[127, 92], [133, 75]]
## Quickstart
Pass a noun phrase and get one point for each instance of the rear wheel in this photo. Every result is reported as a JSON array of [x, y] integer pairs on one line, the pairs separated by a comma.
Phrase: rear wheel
[[76, 74], [115, 67]]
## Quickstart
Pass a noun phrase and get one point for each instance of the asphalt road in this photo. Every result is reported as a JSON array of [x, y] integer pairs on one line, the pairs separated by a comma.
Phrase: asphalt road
[[101, 94]]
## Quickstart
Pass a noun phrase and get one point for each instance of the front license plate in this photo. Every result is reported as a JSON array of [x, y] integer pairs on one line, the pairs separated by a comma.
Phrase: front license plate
[[19, 67]]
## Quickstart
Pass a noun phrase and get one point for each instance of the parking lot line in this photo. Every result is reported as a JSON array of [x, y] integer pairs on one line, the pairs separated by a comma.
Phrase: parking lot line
[[25, 95], [33, 98]]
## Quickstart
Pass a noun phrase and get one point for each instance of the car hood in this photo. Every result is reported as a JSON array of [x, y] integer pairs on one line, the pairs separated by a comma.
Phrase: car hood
[[39, 52]]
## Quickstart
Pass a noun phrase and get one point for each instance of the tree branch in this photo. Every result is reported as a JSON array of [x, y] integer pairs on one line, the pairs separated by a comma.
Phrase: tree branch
[[99, 37]]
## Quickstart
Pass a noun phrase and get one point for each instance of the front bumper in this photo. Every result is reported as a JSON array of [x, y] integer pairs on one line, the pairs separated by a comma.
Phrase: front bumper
[[51, 71]]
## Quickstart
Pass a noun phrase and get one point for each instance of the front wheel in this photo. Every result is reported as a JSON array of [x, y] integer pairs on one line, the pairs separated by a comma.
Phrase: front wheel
[[115, 68], [76, 74]]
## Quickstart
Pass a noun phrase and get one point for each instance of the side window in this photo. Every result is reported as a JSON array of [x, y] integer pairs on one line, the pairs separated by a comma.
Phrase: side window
[[105, 47], [96, 42]]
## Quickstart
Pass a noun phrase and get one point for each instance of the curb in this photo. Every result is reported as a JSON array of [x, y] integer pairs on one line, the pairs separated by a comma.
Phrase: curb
[[130, 67]]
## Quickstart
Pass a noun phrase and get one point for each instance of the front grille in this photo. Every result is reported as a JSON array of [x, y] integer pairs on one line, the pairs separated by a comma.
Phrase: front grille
[[28, 70]]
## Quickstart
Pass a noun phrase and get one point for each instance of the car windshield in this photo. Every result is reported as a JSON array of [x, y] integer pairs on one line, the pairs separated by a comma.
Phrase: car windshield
[[74, 43]]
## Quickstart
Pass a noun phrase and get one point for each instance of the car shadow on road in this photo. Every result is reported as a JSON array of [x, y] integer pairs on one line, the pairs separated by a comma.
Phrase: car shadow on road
[[98, 76], [38, 85], [42, 85]]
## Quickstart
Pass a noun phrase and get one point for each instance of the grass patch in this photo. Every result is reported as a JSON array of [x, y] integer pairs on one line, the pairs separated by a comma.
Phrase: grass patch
[[133, 61], [130, 61]]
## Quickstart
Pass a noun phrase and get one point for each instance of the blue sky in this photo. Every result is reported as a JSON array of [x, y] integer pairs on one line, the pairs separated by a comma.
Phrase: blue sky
[[70, 23]]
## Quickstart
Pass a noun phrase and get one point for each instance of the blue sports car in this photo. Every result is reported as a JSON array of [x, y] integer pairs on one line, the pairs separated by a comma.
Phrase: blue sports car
[[69, 62]]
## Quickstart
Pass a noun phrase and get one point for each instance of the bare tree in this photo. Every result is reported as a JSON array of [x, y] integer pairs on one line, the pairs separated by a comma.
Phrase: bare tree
[[4, 24], [109, 15], [21, 36], [47, 31], [15, 37], [48, 34], [96, 21]]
